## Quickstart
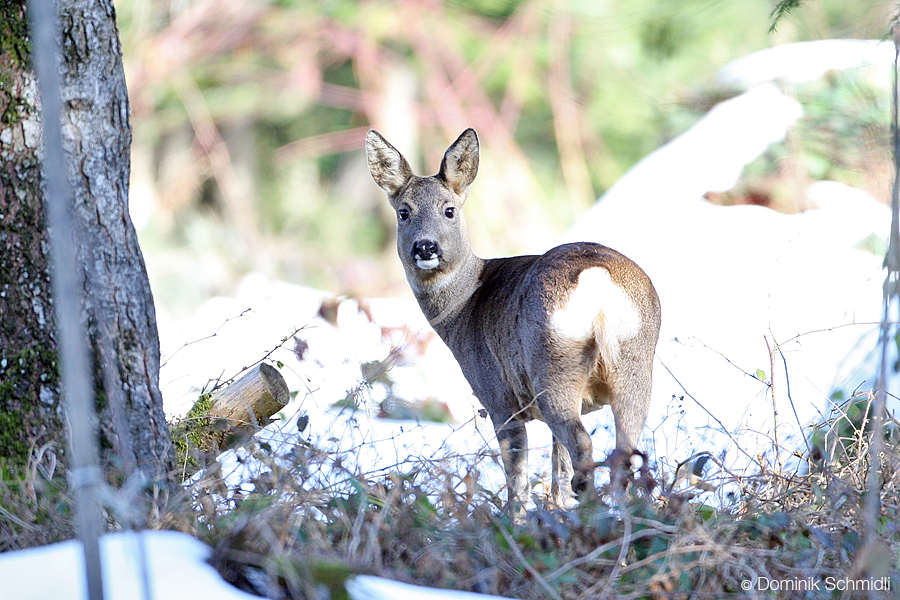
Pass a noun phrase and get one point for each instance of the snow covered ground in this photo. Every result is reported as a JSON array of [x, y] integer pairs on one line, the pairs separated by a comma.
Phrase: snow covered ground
[[734, 282], [175, 564], [745, 292], [738, 282], [175, 567]]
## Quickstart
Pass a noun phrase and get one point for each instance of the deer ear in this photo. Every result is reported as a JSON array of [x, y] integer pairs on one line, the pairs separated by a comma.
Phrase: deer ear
[[388, 167], [460, 164]]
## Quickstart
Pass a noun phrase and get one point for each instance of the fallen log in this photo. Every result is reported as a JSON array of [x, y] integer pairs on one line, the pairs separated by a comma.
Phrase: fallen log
[[228, 417], [252, 398]]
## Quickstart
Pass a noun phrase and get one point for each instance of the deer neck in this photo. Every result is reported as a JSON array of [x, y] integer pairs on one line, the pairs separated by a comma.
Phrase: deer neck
[[442, 298]]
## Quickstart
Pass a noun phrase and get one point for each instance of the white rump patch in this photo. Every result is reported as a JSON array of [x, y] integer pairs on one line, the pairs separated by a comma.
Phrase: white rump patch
[[597, 308]]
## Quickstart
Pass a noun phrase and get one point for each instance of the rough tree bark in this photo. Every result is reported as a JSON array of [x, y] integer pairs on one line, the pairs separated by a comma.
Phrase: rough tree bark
[[119, 309]]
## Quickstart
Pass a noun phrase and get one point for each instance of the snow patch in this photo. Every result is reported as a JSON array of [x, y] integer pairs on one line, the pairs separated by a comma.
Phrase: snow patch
[[175, 564], [807, 61]]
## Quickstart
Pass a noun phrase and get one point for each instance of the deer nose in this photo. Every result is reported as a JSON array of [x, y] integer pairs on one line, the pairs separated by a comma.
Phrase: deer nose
[[426, 250]]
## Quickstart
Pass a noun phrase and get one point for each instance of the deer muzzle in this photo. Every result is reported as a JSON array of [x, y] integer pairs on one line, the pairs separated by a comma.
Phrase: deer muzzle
[[427, 254]]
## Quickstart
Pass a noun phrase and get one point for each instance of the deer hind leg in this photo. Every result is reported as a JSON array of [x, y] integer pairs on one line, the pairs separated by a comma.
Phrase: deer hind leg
[[560, 404], [569, 432], [629, 384]]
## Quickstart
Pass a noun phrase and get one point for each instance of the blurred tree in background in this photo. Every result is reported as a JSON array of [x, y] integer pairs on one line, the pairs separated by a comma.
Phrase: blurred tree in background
[[249, 117]]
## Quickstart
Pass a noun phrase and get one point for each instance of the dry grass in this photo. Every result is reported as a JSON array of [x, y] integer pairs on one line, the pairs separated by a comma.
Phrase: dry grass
[[295, 536], [307, 522], [35, 507]]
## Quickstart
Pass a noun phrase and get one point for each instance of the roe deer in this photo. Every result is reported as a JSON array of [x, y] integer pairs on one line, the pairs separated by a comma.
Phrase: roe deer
[[537, 337]]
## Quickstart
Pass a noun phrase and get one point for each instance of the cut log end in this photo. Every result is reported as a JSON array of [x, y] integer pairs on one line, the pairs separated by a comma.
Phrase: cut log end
[[252, 398]]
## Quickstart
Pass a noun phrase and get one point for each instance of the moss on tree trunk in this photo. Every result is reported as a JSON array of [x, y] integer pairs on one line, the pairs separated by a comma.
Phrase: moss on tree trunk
[[30, 414], [119, 305]]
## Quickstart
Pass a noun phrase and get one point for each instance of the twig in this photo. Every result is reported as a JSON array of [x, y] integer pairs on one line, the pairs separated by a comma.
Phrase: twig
[[355, 537], [730, 362], [872, 504], [712, 416], [671, 551], [831, 329], [203, 339], [219, 381], [623, 549], [537, 576], [593, 554], [774, 403], [787, 385], [372, 554]]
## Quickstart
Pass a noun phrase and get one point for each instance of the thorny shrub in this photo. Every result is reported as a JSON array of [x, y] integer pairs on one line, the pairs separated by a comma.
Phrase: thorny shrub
[[306, 523], [295, 537]]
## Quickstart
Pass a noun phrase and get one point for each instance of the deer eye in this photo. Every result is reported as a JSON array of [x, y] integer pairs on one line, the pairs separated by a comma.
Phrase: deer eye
[[449, 212], [403, 214]]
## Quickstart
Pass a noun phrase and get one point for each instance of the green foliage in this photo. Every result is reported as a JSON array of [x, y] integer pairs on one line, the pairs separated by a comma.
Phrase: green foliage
[[555, 91], [376, 382], [291, 103], [13, 448], [781, 10], [847, 116], [843, 136], [844, 435]]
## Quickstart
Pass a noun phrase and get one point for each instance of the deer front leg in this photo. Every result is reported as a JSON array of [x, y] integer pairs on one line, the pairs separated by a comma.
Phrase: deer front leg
[[513, 441], [561, 494]]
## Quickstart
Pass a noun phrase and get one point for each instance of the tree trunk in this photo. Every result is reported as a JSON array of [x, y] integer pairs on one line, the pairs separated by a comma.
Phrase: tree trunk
[[119, 308], [97, 131], [30, 417]]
